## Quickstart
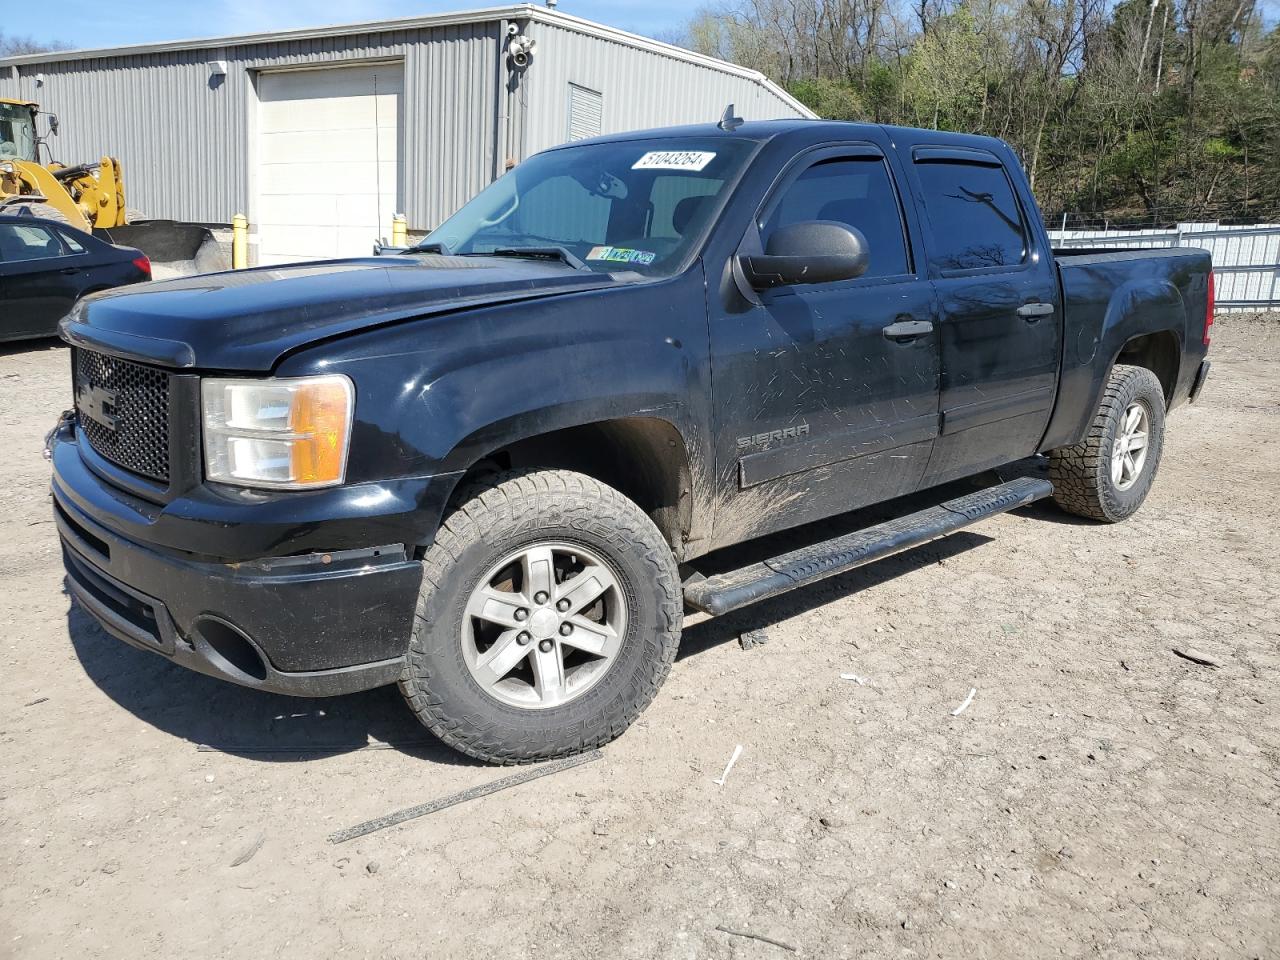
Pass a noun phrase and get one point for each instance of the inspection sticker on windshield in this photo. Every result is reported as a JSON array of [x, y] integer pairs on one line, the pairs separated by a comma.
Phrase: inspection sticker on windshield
[[673, 160], [621, 255]]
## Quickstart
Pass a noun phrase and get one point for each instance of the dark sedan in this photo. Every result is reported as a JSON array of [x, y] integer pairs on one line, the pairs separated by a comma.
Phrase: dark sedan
[[45, 267]]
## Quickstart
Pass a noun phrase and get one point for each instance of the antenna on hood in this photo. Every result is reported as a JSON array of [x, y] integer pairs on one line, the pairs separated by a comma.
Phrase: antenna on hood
[[728, 122]]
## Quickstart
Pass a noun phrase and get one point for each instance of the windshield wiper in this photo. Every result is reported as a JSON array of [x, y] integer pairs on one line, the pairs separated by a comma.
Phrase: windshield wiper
[[540, 253], [432, 247]]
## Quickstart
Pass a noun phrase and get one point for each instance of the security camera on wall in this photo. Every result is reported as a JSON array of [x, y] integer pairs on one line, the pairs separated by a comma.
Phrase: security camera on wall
[[520, 50]]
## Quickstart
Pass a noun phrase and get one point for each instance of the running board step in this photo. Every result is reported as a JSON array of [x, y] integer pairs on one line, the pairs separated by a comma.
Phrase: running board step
[[737, 588]]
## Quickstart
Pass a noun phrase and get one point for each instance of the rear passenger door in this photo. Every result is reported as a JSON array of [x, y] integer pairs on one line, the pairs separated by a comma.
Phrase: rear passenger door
[[39, 279], [826, 395], [999, 323]]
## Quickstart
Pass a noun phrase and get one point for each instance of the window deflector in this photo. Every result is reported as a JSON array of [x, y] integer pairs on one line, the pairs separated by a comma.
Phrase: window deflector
[[955, 155]]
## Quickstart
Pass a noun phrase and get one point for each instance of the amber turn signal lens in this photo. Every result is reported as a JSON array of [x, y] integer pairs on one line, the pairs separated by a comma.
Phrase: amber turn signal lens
[[319, 417]]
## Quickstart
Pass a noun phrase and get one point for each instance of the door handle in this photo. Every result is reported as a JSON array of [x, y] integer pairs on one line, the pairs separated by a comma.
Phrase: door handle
[[1031, 312], [905, 331], [69, 270]]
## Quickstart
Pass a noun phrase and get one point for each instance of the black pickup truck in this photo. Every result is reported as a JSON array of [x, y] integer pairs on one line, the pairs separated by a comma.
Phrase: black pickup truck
[[481, 469]]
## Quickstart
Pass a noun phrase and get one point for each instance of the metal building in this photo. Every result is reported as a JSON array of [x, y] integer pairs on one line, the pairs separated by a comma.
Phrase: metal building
[[320, 135]]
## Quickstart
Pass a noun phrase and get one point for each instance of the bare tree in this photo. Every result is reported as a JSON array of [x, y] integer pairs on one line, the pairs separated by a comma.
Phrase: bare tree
[[14, 46]]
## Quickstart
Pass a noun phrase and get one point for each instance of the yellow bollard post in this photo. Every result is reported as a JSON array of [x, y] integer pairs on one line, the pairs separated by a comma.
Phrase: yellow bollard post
[[399, 230], [239, 242]]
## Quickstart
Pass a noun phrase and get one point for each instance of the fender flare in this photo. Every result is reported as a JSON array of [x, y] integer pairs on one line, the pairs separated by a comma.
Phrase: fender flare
[[647, 450], [1139, 307]]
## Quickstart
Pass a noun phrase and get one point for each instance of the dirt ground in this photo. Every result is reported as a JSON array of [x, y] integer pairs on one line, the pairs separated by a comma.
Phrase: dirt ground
[[1100, 796]]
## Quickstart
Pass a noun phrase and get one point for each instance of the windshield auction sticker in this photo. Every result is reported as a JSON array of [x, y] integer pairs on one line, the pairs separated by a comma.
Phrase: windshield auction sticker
[[673, 160], [621, 255]]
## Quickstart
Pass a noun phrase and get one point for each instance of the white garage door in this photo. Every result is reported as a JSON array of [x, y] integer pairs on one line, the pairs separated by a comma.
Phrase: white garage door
[[327, 177]]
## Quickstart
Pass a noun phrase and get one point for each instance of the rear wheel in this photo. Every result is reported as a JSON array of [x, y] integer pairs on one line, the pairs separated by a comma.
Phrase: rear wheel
[[549, 616], [1108, 475], [36, 208]]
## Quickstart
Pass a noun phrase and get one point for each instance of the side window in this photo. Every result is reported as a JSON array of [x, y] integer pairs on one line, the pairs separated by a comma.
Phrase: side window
[[973, 215], [857, 192], [71, 243], [20, 242]]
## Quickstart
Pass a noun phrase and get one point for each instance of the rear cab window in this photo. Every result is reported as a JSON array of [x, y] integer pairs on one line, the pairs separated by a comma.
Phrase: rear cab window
[[974, 219], [21, 242]]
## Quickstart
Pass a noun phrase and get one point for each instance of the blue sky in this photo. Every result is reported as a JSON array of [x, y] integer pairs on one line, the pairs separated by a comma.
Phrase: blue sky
[[91, 23]]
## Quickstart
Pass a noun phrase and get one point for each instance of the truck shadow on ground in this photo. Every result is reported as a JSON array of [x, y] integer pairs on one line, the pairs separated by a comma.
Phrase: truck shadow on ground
[[214, 714], [33, 345], [708, 634]]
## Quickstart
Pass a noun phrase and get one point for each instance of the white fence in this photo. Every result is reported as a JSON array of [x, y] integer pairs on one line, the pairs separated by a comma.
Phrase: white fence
[[1246, 260]]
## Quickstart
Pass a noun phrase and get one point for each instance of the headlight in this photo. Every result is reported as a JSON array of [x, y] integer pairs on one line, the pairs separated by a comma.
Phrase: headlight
[[287, 434]]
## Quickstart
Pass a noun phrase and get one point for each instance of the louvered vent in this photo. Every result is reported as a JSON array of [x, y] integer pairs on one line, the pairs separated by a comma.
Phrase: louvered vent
[[586, 108]]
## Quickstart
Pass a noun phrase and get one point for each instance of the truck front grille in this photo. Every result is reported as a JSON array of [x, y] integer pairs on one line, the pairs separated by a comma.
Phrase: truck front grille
[[122, 409]]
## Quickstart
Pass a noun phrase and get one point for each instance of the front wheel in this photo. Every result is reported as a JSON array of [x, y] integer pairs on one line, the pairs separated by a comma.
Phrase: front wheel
[[549, 616], [1108, 475]]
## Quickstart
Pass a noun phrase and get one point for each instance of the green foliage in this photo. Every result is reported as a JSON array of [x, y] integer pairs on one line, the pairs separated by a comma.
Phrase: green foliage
[[1165, 112], [1216, 148], [830, 99]]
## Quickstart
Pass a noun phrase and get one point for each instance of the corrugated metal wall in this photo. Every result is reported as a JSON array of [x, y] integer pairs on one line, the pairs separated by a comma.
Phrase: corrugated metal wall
[[184, 138], [641, 88], [1246, 259]]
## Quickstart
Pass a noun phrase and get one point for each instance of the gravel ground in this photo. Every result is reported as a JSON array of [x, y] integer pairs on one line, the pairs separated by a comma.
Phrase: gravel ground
[[1100, 797]]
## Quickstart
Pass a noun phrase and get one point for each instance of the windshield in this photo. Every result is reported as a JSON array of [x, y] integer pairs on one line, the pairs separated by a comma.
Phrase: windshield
[[637, 205], [17, 133]]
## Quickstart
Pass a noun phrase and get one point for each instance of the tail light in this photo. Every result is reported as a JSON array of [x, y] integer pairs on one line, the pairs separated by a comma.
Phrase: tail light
[[144, 264], [1208, 311]]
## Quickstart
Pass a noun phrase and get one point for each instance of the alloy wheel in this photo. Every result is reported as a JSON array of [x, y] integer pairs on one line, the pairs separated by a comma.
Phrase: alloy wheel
[[1129, 450], [543, 625]]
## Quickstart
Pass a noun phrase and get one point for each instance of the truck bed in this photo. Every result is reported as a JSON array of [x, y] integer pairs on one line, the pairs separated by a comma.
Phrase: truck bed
[[1078, 255], [1100, 284]]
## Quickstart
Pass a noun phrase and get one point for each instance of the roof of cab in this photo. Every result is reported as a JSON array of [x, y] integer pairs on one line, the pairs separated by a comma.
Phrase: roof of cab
[[762, 130]]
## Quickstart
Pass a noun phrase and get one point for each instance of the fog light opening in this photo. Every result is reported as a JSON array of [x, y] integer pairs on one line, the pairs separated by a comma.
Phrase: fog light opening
[[230, 649]]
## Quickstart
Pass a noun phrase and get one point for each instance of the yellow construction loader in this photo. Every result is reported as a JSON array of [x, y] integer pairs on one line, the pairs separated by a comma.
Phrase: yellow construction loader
[[88, 196]]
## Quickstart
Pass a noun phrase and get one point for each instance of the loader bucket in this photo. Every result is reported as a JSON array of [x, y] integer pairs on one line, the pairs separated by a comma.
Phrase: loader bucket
[[175, 249]]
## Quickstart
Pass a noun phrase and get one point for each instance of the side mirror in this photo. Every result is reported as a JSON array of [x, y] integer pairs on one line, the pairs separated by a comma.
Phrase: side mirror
[[816, 251], [53, 123]]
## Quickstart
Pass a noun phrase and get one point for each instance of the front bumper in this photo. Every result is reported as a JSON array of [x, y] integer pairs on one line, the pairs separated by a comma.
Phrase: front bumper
[[319, 623]]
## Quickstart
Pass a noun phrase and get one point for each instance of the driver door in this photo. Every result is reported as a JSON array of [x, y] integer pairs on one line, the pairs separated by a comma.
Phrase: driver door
[[826, 394]]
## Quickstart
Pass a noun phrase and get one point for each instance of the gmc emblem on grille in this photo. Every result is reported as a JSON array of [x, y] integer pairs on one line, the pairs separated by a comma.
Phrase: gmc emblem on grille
[[98, 405]]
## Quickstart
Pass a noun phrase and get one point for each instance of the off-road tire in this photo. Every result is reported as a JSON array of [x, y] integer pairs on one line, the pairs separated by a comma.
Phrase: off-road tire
[[503, 513], [1081, 473], [37, 208]]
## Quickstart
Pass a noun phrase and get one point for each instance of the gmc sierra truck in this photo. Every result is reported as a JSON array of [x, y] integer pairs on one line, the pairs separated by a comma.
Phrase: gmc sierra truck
[[481, 469]]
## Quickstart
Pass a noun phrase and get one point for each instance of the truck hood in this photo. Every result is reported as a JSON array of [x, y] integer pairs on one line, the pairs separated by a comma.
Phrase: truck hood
[[249, 319]]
